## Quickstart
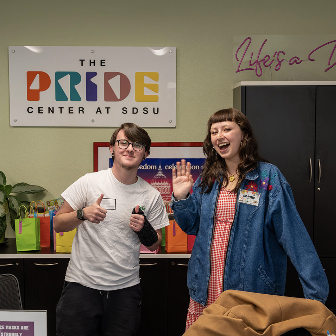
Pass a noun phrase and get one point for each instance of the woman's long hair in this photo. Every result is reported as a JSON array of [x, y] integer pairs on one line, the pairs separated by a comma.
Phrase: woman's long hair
[[215, 167]]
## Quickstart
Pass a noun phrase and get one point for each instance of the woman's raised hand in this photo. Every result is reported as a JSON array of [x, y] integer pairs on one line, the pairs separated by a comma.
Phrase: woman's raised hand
[[182, 179]]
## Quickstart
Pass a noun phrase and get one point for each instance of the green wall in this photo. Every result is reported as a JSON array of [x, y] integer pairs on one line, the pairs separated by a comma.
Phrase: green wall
[[202, 32]]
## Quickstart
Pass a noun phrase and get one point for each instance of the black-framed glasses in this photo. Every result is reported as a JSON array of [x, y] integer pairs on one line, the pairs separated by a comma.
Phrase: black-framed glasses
[[123, 144]]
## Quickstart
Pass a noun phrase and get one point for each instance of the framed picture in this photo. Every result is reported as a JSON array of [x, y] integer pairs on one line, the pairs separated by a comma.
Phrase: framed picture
[[156, 169]]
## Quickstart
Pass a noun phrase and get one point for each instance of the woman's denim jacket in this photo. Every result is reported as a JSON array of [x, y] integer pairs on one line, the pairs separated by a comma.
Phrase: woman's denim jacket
[[262, 235]]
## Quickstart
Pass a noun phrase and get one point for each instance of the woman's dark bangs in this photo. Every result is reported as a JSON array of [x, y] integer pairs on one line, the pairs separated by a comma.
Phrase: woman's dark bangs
[[220, 116]]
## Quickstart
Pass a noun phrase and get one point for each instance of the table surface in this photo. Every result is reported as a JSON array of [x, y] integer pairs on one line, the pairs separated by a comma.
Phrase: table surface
[[8, 250]]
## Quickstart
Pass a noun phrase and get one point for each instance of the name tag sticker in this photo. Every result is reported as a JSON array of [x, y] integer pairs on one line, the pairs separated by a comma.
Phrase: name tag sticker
[[249, 197], [108, 203]]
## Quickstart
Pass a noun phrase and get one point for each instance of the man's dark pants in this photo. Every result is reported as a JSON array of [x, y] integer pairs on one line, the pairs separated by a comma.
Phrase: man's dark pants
[[83, 311]]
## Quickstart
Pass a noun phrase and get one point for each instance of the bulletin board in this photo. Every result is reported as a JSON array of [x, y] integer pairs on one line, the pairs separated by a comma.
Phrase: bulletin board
[[178, 150], [156, 169]]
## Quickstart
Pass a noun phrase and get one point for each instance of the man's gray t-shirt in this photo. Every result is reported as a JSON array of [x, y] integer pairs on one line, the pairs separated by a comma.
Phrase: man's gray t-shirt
[[105, 256]]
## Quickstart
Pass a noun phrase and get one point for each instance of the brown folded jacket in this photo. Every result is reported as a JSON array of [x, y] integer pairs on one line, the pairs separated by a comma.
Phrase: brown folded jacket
[[252, 314]]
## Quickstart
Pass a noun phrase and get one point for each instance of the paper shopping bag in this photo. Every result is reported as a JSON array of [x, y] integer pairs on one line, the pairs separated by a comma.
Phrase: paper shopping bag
[[58, 202], [163, 241], [53, 206], [191, 240], [44, 217], [52, 211], [52, 214], [176, 239], [144, 249], [27, 232], [63, 241]]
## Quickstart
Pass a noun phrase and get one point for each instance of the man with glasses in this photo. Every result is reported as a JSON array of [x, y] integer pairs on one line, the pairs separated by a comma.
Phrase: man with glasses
[[114, 211]]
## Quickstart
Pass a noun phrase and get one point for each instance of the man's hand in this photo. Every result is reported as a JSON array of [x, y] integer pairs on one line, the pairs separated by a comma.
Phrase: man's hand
[[137, 221], [145, 231], [95, 213]]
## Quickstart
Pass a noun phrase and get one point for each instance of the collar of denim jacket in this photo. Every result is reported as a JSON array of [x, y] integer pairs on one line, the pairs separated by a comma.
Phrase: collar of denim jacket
[[252, 175]]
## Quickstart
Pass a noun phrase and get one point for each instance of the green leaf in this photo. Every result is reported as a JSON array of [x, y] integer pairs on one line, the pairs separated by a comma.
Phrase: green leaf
[[2, 210], [2, 196], [2, 178], [8, 189], [14, 203], [25, 188], [12, 216], [2, 225]]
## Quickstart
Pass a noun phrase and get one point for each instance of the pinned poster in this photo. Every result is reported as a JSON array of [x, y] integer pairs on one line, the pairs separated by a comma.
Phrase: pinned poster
[[157, 168]]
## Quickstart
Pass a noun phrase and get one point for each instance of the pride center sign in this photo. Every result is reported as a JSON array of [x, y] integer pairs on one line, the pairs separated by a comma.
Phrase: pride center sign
[[92, 86]]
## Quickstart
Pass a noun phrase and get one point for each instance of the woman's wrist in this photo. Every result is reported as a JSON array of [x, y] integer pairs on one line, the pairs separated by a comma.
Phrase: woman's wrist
[[180, 198]]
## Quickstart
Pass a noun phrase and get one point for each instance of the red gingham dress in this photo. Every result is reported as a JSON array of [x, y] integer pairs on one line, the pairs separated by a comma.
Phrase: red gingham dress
[[223, 221]]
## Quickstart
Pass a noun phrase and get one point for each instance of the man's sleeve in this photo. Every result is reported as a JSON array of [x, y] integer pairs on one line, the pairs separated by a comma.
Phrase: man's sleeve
[[76, 193], [157, 216]]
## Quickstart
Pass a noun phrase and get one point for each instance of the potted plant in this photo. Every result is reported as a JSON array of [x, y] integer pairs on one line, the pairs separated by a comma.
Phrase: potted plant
[[10, 204]]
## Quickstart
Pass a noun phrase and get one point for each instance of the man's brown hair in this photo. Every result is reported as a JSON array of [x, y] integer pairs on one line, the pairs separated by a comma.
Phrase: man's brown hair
[[134, 133]]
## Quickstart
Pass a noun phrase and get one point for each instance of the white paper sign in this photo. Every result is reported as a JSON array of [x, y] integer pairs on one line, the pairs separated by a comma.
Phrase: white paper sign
[[23, 322], [92, 86]]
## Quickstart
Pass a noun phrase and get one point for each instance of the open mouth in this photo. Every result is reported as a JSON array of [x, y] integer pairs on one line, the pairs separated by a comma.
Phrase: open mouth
[[223, 145]]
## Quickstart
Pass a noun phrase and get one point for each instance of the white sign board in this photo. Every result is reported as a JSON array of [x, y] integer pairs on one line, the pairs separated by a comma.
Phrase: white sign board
[[23, 322], [92, 86]]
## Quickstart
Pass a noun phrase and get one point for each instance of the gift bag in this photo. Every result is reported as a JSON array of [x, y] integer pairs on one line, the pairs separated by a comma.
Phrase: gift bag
[[32, 210], [163, 241], [52, 212], [144, 249], [44, 217], [27, 232], [176, 239], [170, 213], [58, 202], [53, 206], [191, 240], [63, 241]]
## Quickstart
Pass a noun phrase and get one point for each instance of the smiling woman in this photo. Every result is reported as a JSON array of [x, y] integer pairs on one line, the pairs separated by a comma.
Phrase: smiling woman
[[229, 137], [243, 214], [226, 137]]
